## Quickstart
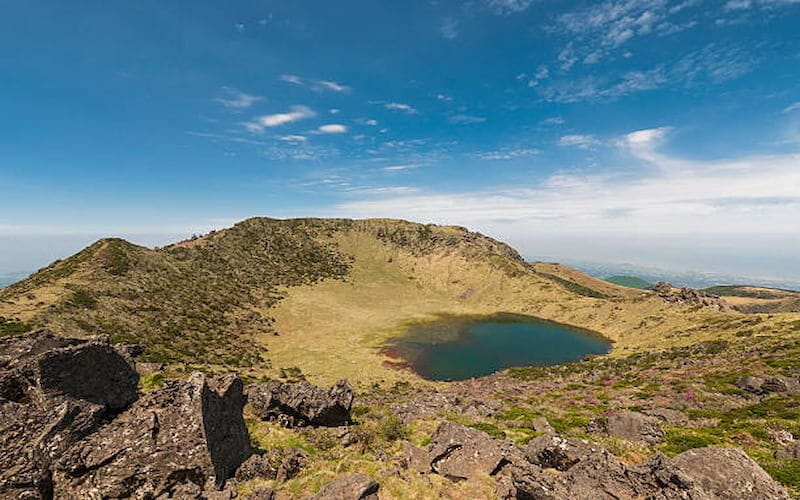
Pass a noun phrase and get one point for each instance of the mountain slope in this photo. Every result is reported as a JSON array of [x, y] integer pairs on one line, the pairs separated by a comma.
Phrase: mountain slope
[[324, 294], [630, 282]]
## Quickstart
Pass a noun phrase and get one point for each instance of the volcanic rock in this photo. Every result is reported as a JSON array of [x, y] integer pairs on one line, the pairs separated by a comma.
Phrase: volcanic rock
[[458, 452], [179, 441], [299, 404], [54, 391], [727, 474], [350, 487]]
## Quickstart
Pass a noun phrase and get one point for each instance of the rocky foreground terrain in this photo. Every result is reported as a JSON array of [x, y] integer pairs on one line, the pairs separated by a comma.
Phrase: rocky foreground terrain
[[79, 420]]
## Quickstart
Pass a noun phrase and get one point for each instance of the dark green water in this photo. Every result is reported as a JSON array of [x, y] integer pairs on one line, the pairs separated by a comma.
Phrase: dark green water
[[458, 348]]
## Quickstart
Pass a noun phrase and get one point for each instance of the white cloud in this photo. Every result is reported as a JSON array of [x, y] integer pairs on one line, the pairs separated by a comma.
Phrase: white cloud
[[578, 141], [792, 107], [294, 138], [465, 119], [656, 194], [399, 168], [508, 6], [236, 99], [399, 106], [333, 128], [508, 154], [296, 113], [372, 123], [334, 111], [239, 27], [443, 97], [554, 120], [449, 29], [331, 85], [291, 79]]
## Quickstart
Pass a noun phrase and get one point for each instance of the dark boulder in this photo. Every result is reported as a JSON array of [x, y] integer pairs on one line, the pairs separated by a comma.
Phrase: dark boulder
[[54, 391], [350, 487], [44, 369], [300, 404], [179, 441]]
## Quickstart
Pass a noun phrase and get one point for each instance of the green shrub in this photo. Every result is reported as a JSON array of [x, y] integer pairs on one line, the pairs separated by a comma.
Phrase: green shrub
[[679, 440]]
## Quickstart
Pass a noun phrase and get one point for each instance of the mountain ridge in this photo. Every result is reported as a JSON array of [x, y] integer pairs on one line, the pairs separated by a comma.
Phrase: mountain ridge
[[269, 293]]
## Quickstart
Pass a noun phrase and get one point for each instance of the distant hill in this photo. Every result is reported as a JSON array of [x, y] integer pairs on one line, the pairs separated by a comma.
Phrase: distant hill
[[758, 299], [324, 295], [630, 282]]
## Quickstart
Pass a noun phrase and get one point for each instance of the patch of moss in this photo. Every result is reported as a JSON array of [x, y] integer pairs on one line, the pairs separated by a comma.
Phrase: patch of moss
[[10, 327], [677, 441]]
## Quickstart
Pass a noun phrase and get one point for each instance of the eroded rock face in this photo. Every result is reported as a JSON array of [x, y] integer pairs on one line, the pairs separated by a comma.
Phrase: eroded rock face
[[629, 425], [54, 391], [300, 404], [350, 487], [180, 440]]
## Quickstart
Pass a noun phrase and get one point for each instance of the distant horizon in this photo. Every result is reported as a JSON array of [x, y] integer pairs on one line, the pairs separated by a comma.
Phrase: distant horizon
[[26, 254]]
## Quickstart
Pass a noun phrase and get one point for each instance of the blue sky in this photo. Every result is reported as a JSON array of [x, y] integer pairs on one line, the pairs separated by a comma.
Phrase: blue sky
[[543, 122]]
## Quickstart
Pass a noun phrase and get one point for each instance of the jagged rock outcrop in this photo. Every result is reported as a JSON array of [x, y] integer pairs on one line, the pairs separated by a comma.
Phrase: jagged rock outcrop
[[552, 467], [54, 391], [350, 487], [300, 404], [630, 425], [689, 296], [181, 440]]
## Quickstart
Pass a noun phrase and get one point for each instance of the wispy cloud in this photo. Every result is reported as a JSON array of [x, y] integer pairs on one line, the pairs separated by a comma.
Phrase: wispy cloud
[[236, 99], [400, 168], [316, 85], [331, 85], [399, 106], [333, 128], [792, 107], [508, 154], [294, 138], [508, 6], [296, 113], [449, 29], [465, 119], [291, 79], [578, 141], [601, 27], [667, 194], [710, 65]]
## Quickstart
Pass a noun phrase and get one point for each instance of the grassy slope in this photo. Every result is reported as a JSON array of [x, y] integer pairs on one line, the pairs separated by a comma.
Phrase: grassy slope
[[334, 290]]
